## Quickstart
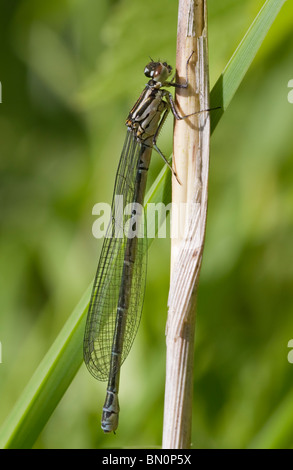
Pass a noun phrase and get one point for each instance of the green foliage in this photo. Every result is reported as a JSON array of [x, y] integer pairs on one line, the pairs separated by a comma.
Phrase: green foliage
[[70, 71]]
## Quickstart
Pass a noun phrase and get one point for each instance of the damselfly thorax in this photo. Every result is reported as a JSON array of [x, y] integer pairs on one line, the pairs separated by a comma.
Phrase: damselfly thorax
[[146, 114]]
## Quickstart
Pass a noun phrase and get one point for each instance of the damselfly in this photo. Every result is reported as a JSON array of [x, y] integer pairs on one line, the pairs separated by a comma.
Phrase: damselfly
[[118, 292]]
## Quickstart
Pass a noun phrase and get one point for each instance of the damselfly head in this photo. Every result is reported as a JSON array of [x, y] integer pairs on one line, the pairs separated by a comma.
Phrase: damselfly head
[[158, 71]]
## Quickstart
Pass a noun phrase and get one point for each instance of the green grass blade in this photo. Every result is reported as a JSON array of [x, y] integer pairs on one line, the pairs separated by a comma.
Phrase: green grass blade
[[277, 432], [64, 358], [48, 384], [231, 77]]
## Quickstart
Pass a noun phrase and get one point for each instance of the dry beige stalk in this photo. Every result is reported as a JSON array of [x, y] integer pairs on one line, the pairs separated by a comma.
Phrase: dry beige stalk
[[191, 159]]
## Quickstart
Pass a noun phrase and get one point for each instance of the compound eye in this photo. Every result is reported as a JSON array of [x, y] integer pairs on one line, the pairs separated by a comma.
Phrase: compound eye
[[147, 71], [158, 70], [153, 70]]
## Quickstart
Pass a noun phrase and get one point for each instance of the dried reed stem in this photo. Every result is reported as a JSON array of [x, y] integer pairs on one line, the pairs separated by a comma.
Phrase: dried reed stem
[[191, 159]]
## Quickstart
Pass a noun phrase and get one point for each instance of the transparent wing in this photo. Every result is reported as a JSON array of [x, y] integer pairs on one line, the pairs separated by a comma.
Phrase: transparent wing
[[102, 312]]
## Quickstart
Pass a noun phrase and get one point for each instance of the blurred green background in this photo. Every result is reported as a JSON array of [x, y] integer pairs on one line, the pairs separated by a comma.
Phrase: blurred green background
[[70, 72]]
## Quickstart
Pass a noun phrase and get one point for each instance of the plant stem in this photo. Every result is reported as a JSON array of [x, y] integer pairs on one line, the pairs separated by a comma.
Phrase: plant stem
[[191, 159]]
